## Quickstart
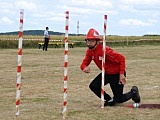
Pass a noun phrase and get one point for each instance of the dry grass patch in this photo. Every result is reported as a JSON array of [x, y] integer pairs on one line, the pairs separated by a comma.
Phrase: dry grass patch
[[42, 85]]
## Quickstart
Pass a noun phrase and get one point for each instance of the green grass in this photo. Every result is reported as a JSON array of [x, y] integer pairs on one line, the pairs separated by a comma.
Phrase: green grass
[[81, 38], [11, 41], [42, 85]]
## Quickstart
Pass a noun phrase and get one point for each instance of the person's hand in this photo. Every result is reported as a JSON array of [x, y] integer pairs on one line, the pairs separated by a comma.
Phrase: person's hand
[[122, 79], [86, 70]]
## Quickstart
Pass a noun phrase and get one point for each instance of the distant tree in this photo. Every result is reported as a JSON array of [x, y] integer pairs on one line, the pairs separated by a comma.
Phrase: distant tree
[[32, 32]]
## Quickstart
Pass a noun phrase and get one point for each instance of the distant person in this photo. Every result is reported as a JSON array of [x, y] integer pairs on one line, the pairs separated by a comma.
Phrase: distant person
[[115, 73], [46, 39]]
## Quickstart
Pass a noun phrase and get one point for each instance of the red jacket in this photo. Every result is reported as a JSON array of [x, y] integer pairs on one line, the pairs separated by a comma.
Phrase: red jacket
[[114, 62]]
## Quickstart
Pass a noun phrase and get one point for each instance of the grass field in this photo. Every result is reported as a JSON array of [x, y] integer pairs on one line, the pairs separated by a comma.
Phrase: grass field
[[42, 85]]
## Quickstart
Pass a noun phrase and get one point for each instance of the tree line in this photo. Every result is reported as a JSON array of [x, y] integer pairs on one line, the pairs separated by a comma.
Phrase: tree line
[[36, 33]]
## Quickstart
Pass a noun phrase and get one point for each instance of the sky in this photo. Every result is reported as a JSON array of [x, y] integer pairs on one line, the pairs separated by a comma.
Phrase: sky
[[124, 17]]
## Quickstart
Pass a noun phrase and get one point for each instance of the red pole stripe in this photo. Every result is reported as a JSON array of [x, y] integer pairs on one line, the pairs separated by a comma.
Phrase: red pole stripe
[[66, 39], [18, 86], [105, 16], [102, 91], [65, 90], [105, 27], [19, 51], [20, 34], [65, 103], [65, 78], [66, 27], [67, 12], [65, 52], [65, 64], [18, 68], [18, 102], [21, 20]]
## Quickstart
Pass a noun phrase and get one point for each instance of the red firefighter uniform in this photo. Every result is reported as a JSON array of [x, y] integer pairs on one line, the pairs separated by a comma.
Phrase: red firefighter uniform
[[114, 62]]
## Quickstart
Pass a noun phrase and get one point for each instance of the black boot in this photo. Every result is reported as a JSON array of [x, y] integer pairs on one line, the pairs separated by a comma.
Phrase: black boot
[[136, 98]]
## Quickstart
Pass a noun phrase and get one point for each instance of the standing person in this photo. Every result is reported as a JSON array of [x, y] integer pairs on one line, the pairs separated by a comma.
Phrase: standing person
[[115, 73], [46, 39]]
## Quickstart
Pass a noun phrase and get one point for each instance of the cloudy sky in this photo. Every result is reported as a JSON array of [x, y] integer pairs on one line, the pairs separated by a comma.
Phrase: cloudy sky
[[125, 17]]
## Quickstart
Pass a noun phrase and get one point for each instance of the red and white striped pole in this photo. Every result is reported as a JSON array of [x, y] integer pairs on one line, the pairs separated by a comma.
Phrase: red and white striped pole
[[103, 61], [19, 63], [65, 66]]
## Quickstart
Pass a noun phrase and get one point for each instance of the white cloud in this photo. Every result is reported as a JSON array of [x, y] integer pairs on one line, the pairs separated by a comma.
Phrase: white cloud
[[56, 19], [134, 22], [5, 5], [144, 2], [5, 20], [5, 8], [88, 7], [140, 5], [25, 5], [91, 3], [85, 7]]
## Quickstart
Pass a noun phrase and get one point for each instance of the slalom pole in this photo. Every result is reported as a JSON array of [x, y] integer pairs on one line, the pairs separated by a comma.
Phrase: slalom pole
[[78, 28], [19, 63], [103, 62], [65, 67]]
